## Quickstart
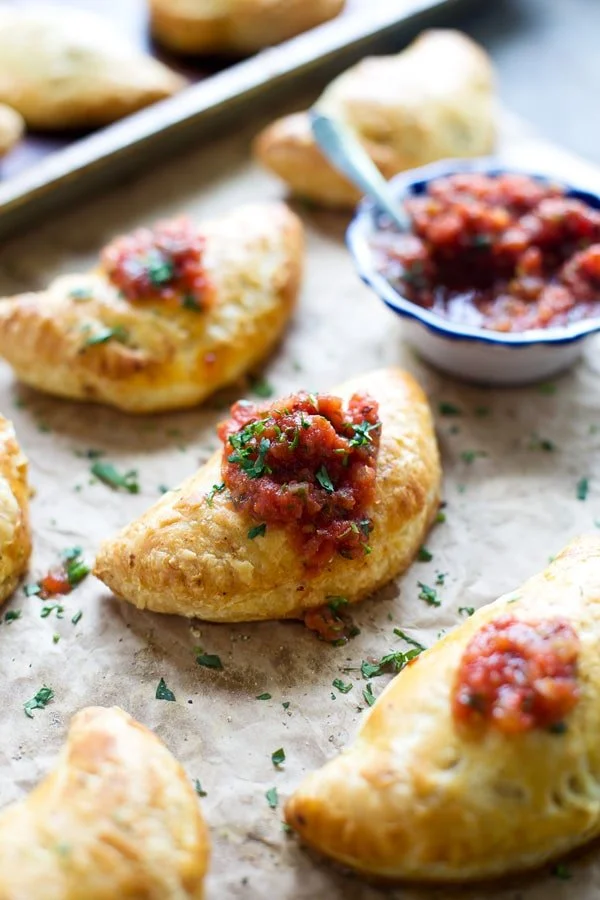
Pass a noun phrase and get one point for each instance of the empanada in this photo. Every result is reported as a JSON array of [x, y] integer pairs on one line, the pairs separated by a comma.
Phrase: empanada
[[74, 69], [235, 26], [170, 315], [15, 537], [116, 818], [431, 101], [481, 758], [290, 532], [12, 127]]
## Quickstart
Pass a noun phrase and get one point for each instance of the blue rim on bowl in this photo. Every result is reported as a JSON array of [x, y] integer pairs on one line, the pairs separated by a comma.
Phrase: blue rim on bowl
[[415, 181]]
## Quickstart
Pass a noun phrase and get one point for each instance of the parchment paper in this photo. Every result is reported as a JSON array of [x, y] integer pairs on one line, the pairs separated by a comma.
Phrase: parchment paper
[[507, 512]]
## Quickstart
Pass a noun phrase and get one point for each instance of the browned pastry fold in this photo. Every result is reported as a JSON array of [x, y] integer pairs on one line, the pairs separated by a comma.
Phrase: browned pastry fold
[[15, 537]]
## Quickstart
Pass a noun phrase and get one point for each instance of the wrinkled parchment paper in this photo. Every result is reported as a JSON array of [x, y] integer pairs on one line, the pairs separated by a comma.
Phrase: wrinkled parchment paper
[[507, 512]]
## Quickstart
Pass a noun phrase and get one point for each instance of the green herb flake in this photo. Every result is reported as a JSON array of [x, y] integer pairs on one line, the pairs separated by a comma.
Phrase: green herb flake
[[107, 474], [562, 871], [583, 486], [368, 694], [449, 409], [31, 590], [286, 704], [424, 555], [215, 489], [163, 692], [75, 568], [261, 387], [257, 531], [278, 757], [47, 610], [198, 788], [538, 443], [362, 434], [469, 456], [55, 638], [105, 334], [324, 480], [159, 269], [466, 610], [334, 603], [39, 701], [440, 578], [77, 617], [406, 637], [163, 489], [272, 797], [264, 696], [428, 594], [440, 518], [341, 687], [190, 302], [209, 661], [12, 615], [547, 389]]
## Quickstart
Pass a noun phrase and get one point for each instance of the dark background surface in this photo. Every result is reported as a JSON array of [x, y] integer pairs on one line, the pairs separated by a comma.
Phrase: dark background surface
[[547, 53]]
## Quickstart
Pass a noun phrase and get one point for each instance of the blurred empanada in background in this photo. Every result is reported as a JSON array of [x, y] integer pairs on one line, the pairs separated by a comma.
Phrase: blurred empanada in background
[[62, 67], [15, 537], [116, 818], [12, 127], [171, 314], [235, 26], [431, 101]]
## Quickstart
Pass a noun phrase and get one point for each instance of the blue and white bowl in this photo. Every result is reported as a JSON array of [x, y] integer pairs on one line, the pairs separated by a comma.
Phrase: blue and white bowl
[[467, 352]]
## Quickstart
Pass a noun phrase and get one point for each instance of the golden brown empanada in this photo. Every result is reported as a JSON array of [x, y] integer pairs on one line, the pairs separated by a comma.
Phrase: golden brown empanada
[[116, 818], [74, 69], [12, 127], [15, 537], [481, 757], [235, 26], [195, 553], [84, 339], [433, 100]]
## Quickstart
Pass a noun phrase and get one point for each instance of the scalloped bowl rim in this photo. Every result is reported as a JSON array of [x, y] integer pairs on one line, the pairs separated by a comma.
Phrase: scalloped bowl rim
[[361, 227]]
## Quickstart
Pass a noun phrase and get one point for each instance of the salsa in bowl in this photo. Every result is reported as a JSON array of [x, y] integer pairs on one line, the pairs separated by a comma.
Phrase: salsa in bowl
[[498, 277]]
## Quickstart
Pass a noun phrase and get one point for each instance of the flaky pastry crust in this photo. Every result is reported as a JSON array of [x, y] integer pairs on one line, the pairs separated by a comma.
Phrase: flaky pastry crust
[[172, 357], [431, 101], [416, 797], [76, 70], [116, 818], [15, 536], [194, 558], [235, 26], [12, 127]]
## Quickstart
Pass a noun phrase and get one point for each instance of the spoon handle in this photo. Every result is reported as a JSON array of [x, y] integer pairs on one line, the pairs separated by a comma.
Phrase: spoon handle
[[348, 155]]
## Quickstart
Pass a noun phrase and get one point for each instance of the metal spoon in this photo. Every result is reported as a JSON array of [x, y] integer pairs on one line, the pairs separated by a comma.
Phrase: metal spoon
[[348, 155]]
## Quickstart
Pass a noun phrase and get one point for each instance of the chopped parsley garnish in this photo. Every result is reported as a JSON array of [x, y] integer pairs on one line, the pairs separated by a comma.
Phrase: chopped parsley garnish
[[209, 661], [52, 607], [583, 486], [406, 637], [261, 387], [250, 459], [163, 489], [548, 389], [272, 797], [562, 871], [449, 409], [105, 334], [257, 531], [341, 687], [264, 696], [362, 434], [538, 443], [159, 269], [428, 594], [286, 704], [278, 757], [440, 518], [198, 788], [322, 476], [393, 662], [55, 638], [107, 474], [190, 302], [558, 728], [368, 694], [12, 615], [75, 568], [39, 701], [440, 578], [334, 603], [77, 617], [31, 589], [466, 610], [163, 692], [424, 555], [215, 489], [469, 456]]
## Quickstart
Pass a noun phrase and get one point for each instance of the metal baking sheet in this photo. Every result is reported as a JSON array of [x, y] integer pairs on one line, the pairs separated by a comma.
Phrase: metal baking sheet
[[46, 171]]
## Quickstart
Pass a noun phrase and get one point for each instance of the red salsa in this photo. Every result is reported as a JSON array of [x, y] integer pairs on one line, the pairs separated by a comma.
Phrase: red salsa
[[504, 252], [518, 675], [63, 578], [307, 463], [163, 263]]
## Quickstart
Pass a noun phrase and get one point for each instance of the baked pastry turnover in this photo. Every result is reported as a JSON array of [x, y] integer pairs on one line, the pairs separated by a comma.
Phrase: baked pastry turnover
[[235, 26], [171, 313], [312, 496], [431, 101], [481, 758], [116, 818], [75, 69], [15, 537]]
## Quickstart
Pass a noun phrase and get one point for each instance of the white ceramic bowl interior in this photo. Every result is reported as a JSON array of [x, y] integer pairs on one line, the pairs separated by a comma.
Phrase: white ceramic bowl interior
[[472, 354]]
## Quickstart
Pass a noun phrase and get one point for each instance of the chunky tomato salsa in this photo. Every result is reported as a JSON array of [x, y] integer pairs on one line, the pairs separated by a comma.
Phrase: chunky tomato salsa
[[163, 263], [307, 463], [518, 675], [506, 253]]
